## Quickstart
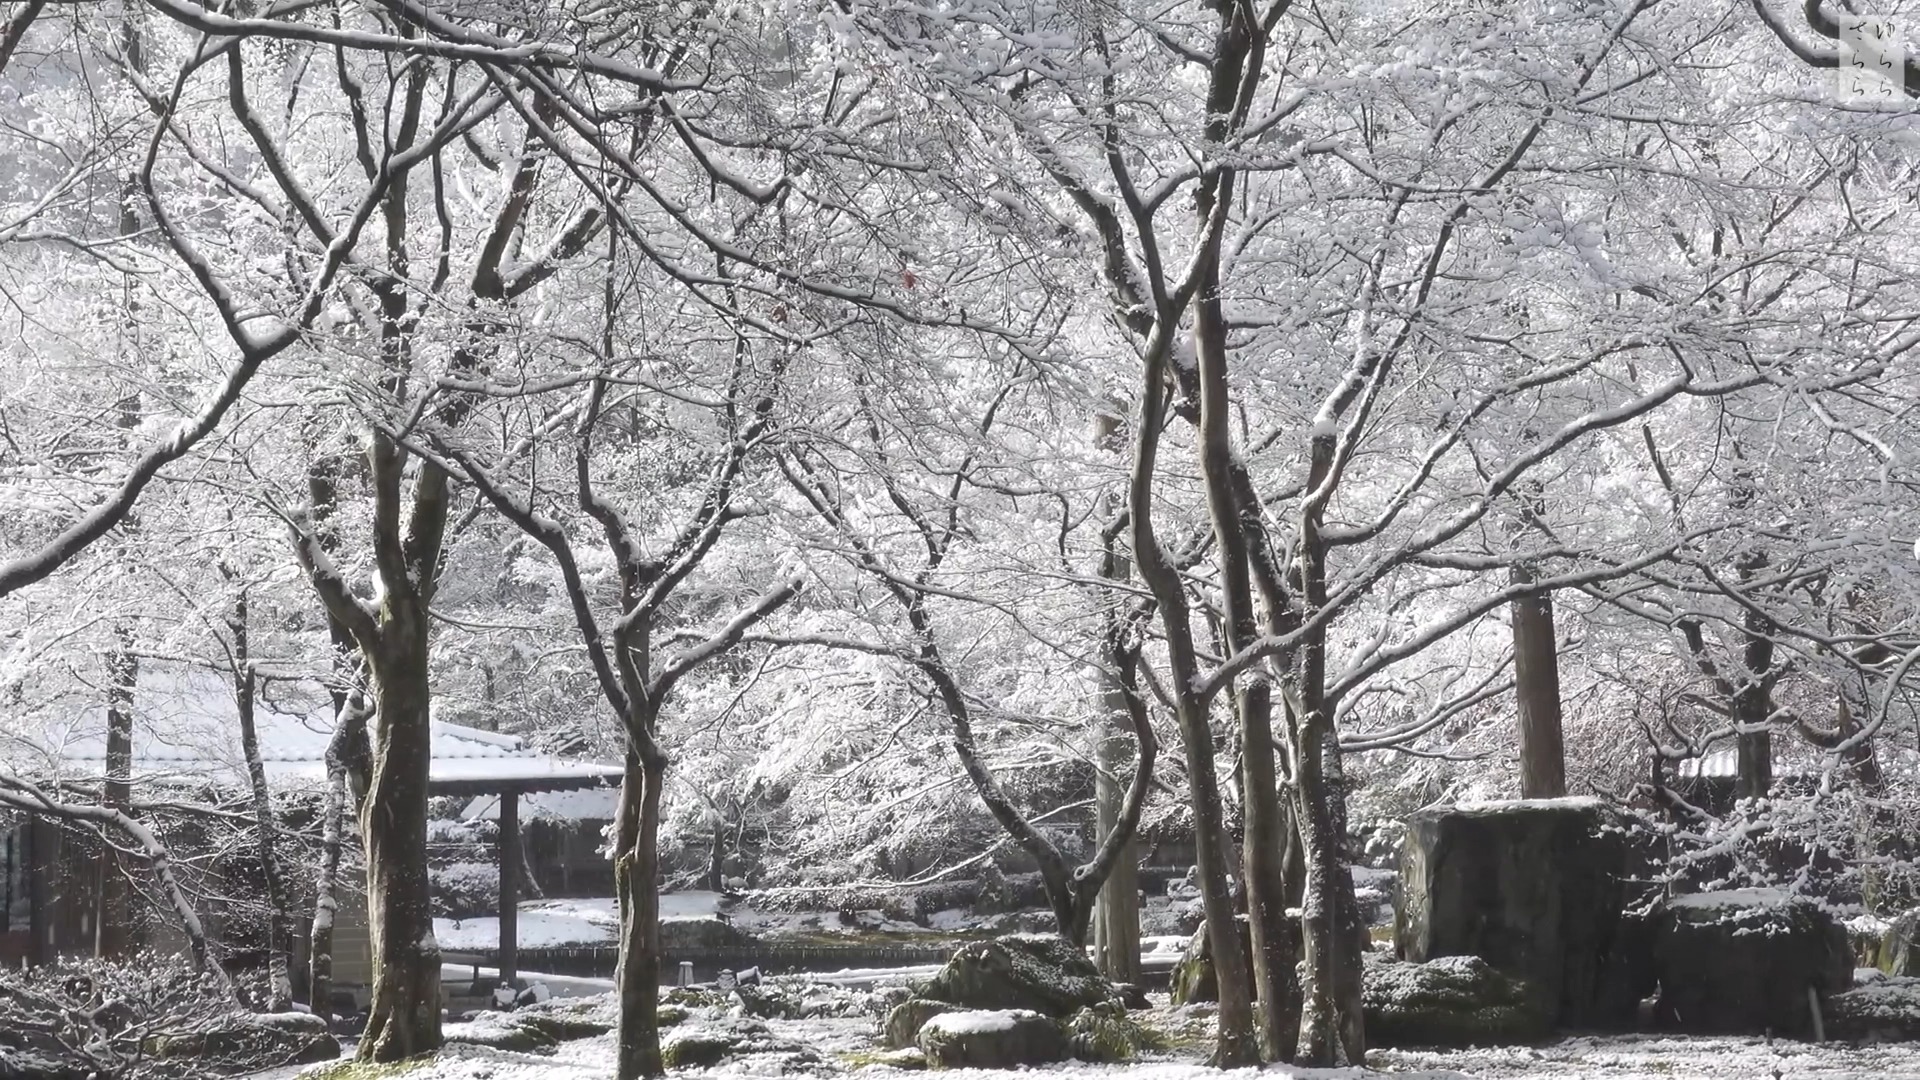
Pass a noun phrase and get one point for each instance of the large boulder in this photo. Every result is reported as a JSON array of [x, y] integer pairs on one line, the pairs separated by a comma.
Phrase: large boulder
[[1451, 1001], [1193, 975], [1745, 960], [992, 1039], [904, 1021], [692, 1046], [1534, 887], [692, 935], [1884, 1010], [1044, 973], [1899, 952]]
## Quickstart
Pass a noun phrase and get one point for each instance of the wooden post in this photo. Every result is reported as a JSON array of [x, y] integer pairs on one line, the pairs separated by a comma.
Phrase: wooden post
[[509, 884]]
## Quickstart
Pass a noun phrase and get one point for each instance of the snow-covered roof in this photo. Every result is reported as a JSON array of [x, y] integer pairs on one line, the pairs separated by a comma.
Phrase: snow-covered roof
[[1716, 764], [592, 804], [187, 728]]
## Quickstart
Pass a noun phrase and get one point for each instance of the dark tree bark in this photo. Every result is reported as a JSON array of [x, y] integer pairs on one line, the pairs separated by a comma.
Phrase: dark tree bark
[[266, 830], [113, 931], [1536, 664]]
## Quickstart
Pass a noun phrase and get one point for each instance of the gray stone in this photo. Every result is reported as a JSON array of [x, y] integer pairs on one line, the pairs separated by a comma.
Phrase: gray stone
[[992, 1039], [1742, 962], [1041, 972], [706, 1045], [1451, 1001], [1884, 1010], [1533, 887], [1899, 952], [904, 1021]]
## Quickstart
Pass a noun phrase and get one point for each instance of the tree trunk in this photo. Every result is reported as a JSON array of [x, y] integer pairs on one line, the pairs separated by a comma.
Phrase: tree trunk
[[404, 1015], [279, 982], [1752, 710], [1331, 1024], [1116, 914], [636, 877], [113, 937], [1536, 691], [325, 905]]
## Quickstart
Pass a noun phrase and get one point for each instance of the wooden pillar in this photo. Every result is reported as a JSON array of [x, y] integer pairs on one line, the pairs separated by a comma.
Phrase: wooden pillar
[[509, 885]]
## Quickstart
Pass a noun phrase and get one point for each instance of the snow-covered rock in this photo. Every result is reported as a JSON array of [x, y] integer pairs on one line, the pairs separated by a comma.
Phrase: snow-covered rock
[[1041, 972], [1744, 961], [991, 1039], [1534, 887], [1883, 1010], [1450, 1001]]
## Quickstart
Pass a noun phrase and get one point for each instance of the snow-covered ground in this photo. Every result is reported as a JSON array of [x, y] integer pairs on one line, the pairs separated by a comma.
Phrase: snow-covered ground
[[1615, 1058], [559, 924]]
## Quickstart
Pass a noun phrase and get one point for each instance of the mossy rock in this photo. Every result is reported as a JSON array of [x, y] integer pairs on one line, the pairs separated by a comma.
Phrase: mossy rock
[[1452, 1001], [1899, 951], [1884, 1010], [1043, 973], [1105, 1033], [905, 1020], [1193, 975], [706, 1045], [992, 1039], [669, 1015], [1743, 962], [687, 934]]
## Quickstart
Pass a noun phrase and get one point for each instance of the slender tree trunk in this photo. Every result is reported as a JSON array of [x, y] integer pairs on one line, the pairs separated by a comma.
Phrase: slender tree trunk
[[1116, 913], [325, 903], [1331, 1027], [279, 981], [113, 930], [1536, 667], [1350, 926], [404, 1015], [636, 877]]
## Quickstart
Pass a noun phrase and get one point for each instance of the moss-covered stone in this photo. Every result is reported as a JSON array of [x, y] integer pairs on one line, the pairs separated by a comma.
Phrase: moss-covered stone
[[904, 1021], [1899, 952], [1884, 1010], [706, 1045], [992, 1039], [1743, 962], [1534, 887], [1041, 972], [1193, 975], [1452, 1001]]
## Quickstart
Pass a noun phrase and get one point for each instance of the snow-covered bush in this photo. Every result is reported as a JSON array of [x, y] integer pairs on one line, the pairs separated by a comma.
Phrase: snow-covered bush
[[109, 1019]]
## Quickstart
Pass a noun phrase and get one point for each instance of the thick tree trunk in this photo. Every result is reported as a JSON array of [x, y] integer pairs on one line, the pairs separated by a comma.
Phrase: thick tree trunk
[[1536, 690], [1752, 710], [404, 1016], [636, 877]]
